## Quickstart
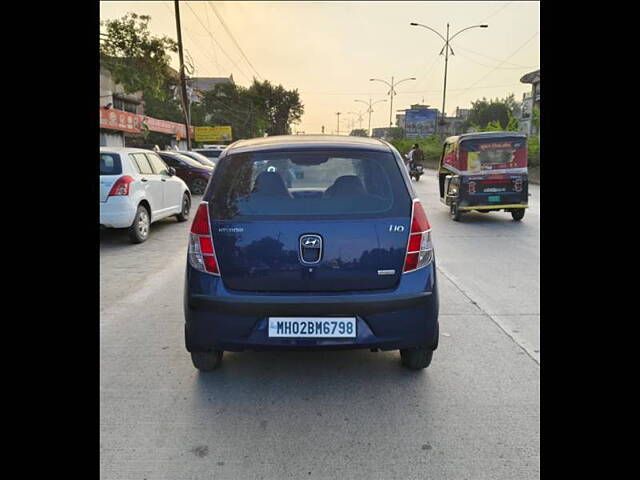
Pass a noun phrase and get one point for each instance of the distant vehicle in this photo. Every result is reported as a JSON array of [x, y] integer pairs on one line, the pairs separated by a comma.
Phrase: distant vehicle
[[198, 157], [340, 259], [415, 170], [195, 174], [137, 189], [219, 147], [210, 153], [485, 172]]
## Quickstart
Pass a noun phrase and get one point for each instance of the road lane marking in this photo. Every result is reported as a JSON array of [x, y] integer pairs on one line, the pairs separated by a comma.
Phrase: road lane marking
[[535, 356]]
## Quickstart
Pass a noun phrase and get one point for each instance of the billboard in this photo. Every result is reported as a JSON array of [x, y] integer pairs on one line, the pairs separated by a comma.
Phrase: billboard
[[420, 123], [213, 134], [114, 119]]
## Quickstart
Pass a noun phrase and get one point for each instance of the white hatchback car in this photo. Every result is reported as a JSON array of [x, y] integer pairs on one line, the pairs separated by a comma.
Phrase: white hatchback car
[[136, 189]]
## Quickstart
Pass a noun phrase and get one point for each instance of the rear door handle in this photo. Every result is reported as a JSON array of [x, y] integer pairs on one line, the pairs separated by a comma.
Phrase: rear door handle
[[143, 179], [164, 179]]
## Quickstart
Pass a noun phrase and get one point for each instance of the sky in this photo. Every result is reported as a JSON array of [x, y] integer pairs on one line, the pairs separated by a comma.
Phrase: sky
[[330, 50]]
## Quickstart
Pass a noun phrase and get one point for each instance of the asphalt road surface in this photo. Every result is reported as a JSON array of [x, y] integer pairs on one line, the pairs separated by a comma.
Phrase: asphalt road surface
[[473, 414]]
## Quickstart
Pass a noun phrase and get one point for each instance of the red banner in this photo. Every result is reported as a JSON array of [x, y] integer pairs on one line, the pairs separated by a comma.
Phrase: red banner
[[131, 122], [119, 120]]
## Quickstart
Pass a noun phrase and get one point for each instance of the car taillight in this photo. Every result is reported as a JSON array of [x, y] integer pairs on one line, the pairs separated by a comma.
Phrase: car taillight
[[419, 249], [121, 187], [202, 256]]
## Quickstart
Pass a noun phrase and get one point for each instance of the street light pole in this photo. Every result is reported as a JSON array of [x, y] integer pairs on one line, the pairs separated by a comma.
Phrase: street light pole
[[369, 109], [338, 130], [391, 93], [446, 48], [182, 79]]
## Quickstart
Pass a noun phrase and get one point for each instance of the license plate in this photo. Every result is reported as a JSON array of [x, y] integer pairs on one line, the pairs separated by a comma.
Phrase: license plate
[[494, 198], [312, 327]]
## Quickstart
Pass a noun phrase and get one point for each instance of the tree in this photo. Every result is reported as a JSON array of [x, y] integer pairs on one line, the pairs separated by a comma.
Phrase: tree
[[395, 133], [135, 59], [281, 107], [484, 112]]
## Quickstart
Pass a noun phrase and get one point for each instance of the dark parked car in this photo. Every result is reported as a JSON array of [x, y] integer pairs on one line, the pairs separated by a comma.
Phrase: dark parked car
[[340, 259], [210, 153], [198, 157], [194, 174]]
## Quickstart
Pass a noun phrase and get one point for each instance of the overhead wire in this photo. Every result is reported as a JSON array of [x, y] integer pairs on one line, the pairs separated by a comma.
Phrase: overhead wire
[[233, 38], [217, 43], [495, 68]]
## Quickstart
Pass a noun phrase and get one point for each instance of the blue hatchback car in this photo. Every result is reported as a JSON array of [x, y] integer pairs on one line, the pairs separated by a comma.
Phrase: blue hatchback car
[[337, 256]]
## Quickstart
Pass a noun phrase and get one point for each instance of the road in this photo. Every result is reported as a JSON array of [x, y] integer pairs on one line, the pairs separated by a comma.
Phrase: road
[[473, 414]]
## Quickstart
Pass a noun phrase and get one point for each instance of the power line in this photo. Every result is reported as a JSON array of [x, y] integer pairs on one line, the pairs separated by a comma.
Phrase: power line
[[233, 38], [491, 66], [491, 58], [496, 12], [217, 69], [409, 92], [213, 50], [219, 46], [495, 68]]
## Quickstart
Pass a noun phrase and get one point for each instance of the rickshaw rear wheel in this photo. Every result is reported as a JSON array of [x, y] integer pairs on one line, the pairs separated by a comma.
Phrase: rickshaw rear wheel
[[517, 214], [454, 212]]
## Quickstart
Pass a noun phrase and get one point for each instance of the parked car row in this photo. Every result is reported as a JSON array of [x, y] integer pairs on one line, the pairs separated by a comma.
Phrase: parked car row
[[139, 187]]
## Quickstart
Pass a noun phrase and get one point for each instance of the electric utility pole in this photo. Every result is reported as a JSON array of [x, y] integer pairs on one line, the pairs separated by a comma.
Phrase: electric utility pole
[[182, 79]]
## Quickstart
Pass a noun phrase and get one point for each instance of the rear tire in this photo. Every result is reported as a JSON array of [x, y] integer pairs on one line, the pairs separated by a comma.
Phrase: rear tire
[[416, 358], [139, 229], [517, 214], [207, 361], [183, 216]]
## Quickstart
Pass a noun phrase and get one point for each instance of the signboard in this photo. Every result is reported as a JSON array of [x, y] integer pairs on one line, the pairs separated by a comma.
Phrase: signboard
[[131, 122], [420, 123], [213, 134], [119, 120]]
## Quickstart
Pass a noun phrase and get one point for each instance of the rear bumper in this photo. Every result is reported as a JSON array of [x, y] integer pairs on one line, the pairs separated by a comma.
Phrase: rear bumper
[[494, 207], [117, 212], [404, 318]]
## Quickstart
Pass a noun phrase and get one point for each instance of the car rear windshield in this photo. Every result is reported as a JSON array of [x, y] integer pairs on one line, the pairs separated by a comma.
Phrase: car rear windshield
[[110, 164], [491, 153], [210, 153], [188, 160], [309, 184], [199, 158]]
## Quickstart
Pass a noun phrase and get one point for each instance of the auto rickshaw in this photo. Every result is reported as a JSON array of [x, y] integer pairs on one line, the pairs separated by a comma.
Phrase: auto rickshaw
[[486, 172]]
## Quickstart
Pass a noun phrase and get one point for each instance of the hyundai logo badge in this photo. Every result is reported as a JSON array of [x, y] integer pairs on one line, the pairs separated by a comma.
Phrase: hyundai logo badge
[[310, 248]]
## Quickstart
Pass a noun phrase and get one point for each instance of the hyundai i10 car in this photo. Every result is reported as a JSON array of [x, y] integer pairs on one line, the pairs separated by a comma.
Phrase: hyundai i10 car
[[338, 257]]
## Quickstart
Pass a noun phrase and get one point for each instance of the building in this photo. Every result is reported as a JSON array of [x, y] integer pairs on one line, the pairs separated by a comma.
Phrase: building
[[463, 113], [200, 85], [113, 97], [123, 121], [532, 101]]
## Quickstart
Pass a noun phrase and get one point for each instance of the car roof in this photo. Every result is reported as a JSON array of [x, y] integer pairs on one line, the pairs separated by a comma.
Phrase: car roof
[[125, 150], [483, 135], [303, 142]]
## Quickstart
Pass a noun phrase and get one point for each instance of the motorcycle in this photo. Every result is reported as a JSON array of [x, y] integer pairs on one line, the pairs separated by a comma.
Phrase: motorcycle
[[415, 171]]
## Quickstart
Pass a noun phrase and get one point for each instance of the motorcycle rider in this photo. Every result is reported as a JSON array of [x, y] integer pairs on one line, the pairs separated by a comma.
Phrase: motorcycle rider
[[416, 156]]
